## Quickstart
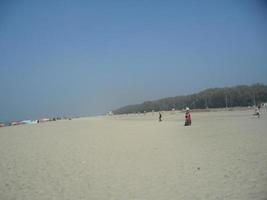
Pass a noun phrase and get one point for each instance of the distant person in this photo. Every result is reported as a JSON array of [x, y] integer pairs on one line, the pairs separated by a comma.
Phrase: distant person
[[188, 119], [160, 117], [257, 111]]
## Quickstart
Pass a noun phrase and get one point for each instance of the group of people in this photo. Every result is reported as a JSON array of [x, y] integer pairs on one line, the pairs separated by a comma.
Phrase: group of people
[[188, 119]]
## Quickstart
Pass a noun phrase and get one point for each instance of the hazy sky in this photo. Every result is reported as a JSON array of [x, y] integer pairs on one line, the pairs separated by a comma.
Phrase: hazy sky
[[88, 57]]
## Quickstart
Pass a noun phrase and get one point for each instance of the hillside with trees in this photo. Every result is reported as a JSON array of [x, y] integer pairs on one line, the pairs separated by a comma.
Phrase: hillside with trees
[[242, 95]]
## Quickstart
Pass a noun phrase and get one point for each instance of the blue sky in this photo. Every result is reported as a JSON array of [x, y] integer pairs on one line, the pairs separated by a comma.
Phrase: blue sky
[[87, 57]]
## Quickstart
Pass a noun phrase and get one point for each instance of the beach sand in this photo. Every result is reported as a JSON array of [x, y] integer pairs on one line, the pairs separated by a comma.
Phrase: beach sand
[[223, 155]]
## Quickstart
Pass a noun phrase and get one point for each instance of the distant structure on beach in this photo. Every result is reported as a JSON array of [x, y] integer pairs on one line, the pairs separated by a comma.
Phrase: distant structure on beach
[[31, 122], [242, 96], [110, 113]]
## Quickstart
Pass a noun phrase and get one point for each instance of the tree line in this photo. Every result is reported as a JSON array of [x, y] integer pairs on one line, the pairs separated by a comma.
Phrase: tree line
[[242, 95]]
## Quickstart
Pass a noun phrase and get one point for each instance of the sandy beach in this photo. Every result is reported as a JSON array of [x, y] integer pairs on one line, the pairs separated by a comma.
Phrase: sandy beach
[[223, 155]]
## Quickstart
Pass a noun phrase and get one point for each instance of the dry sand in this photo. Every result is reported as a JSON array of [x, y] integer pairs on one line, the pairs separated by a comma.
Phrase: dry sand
[[223, 155]]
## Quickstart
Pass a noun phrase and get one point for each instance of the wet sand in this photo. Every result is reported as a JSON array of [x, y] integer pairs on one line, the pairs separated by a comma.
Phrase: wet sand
[[223, 155]]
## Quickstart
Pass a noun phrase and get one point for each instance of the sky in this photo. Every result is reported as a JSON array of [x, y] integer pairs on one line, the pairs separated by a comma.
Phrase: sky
[[80, 58]]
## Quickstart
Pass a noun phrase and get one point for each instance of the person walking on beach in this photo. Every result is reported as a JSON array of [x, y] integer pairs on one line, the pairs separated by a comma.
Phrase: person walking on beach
[[188, 119], [160, 117], [257, 111]]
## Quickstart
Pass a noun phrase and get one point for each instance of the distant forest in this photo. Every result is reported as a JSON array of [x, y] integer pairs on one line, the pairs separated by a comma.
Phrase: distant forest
[[242, 95]]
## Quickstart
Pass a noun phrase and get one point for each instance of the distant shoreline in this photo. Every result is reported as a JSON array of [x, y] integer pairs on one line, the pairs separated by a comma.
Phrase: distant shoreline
[[237, 108]]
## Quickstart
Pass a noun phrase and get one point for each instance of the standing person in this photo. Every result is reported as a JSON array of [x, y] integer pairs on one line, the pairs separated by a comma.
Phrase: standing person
[[160, 117], [188, 119], [257, 111]]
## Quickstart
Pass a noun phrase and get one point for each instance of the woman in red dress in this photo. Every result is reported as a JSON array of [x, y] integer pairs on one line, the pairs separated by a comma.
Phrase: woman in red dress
[[188, 119]]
